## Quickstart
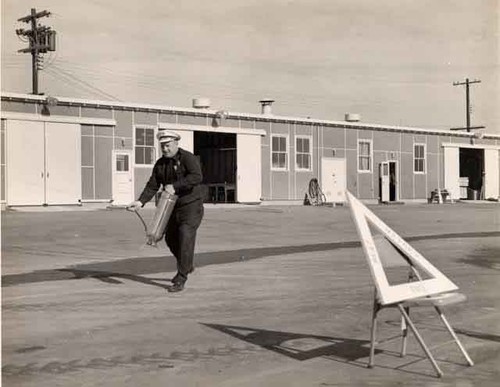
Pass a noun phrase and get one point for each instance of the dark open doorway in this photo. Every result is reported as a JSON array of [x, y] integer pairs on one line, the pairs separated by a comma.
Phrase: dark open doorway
[[392, 181], [471, 173], [217, 153]]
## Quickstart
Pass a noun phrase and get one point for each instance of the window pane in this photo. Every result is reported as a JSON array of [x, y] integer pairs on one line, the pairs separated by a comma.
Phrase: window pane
[[282, 160], [306, 161], [275, 160], [122, 163], [149, 155], [364, 148], [305, 145], [298, 159], [140, 138], [139, 155], [364, 164], [300, 145], [150, 137], [282, 146], [275, 144]]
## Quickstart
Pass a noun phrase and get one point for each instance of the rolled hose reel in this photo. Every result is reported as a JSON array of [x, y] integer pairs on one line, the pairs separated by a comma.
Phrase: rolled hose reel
[[157, 226]]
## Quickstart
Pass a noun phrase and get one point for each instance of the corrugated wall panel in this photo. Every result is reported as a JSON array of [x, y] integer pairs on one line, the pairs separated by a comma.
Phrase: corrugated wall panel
[[88, 183], [279, 127], [352, 139], [61, 110], [407, 143], [145, 118], [406, 185], [420, 186], [385, 141], [18, 107], [365, 188], [123, 124], [104, 131], [190, 120], [266, 168], [352, 171], [280, 185], [333, 139], [103, 173], [432, 172], [141, 178], [248, 124], [87, 151], [168, 117], [97, 112], [124, 143]]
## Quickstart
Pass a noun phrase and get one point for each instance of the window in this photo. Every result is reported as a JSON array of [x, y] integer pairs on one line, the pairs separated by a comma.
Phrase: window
[[419, 158], [303, 153], [279, 153], [145, 151], [122, 163], [364, 155]]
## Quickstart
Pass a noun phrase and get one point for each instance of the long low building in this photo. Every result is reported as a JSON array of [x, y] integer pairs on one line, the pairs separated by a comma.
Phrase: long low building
[[63, 151]]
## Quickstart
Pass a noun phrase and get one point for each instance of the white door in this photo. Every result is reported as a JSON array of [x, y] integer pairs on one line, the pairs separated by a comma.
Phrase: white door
[[384, 181], [248, 164], [123, 186], [452, 172], [25, 163], [63, 172], [333, 179], [491, 174]]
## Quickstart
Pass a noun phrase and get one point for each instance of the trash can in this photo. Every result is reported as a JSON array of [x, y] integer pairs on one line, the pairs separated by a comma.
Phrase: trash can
[[472, 194]]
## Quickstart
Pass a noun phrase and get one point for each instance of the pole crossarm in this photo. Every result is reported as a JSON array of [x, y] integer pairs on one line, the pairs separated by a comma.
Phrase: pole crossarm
[[467, 83], [41, 39]]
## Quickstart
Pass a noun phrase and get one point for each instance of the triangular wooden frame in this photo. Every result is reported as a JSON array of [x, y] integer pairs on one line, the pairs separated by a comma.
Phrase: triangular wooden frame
[[390, 294]]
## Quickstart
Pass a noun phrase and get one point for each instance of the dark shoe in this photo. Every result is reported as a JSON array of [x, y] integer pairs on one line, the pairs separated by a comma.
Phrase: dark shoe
[[177, 278], [176, 287]]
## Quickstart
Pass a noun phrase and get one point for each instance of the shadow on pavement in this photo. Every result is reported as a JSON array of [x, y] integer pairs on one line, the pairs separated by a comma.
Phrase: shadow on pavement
[[111, 278], [132, 267], [299, 346]]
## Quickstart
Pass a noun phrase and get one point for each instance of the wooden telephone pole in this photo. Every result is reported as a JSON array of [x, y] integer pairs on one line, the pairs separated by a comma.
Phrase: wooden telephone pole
[[41, 39], [467, 104]]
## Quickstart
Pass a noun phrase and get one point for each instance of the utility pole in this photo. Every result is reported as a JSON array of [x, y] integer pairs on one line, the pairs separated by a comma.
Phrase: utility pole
[[467, 104], [41, 39]]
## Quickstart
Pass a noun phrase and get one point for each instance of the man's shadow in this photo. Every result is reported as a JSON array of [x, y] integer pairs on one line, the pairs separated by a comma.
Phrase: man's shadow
[[114, 277]]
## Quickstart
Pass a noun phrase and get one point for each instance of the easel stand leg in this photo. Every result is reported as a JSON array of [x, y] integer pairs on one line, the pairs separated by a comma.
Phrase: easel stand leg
[[452, 333], [373, 337], [420, 340], [404, 328]]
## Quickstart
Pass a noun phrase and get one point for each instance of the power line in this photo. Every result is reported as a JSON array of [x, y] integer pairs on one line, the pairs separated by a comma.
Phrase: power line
[[467, 104]]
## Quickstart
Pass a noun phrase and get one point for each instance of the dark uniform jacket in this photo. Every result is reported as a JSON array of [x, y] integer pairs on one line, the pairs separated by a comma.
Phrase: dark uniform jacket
[[183, 171]]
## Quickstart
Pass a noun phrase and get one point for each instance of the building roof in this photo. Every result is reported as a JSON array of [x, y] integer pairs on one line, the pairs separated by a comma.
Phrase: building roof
[[8, 96]]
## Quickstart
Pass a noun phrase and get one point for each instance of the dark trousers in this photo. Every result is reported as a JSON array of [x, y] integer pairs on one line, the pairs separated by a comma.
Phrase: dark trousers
[[181, 235]]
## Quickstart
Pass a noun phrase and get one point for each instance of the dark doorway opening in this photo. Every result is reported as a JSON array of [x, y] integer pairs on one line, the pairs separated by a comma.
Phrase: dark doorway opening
[[392, 181], [471, 173], [217, 153]]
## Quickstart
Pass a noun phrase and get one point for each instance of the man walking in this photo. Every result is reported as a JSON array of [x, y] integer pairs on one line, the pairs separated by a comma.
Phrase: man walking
[[178, 172]]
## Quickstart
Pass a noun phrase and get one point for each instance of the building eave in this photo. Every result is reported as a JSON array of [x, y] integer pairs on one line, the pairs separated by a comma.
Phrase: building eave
[[19, 97]]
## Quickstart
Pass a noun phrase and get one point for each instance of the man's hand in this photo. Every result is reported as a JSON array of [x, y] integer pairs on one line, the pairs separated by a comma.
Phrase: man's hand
[[170, 189], [134, 206]]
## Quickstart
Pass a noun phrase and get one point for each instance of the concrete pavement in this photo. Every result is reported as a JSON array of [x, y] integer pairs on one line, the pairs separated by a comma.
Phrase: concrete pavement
[[281, 297]]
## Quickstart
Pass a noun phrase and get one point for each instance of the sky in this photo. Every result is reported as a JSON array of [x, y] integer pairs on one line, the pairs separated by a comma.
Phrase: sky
[[393, 62]]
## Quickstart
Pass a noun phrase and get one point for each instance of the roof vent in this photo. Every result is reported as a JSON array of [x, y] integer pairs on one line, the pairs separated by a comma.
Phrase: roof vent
[[352, 117], [201, 103], [266, 105]]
